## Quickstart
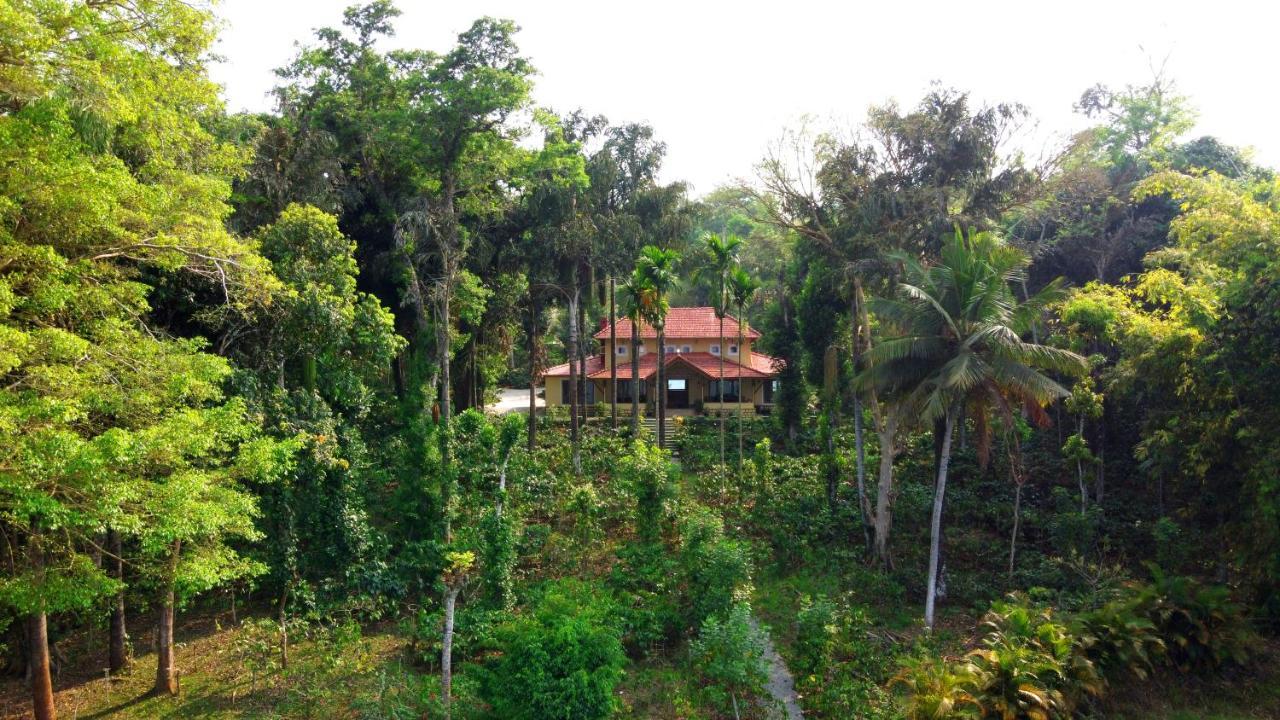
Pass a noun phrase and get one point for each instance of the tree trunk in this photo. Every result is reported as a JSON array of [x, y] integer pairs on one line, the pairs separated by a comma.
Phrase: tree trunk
[[662, 386], [532, 434], [613, 353], [887, 433], [741, 354], [635, 379], [118, 652], [283, 620], [1013, 537], [166, 670], [1084, 490], [935, 524], [582, 360], [859, 444], [720, 384], [573, 378], [38, 644], [446, 648]]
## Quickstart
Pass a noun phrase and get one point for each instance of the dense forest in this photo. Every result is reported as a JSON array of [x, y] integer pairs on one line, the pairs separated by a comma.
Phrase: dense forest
[[1021, 461]]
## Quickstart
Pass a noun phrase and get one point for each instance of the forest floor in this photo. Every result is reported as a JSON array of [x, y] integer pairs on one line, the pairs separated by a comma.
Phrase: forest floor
[[217, 683]]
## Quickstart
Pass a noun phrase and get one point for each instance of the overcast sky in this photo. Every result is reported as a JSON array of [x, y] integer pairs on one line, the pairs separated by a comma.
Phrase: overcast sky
[[720, 80]]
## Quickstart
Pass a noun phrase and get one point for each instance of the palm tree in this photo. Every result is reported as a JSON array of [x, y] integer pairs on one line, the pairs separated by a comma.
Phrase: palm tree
[[658, 268], [634, 290], [723, 252], [958, 344], [742, 290]]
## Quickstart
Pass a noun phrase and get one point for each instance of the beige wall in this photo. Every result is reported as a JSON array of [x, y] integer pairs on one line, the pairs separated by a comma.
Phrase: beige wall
[[694, 344]]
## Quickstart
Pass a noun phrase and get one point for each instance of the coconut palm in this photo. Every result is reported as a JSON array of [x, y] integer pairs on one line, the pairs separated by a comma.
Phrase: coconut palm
[[742, 290], [658, 268], [722, 251], [958, 345]]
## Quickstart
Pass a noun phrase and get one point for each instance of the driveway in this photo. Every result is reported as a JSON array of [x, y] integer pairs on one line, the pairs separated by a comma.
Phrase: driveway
[[513, 400]]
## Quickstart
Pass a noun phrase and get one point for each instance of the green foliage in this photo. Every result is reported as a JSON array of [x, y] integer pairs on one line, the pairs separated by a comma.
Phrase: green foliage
[[728, 655], [561, 661], [716, 570]]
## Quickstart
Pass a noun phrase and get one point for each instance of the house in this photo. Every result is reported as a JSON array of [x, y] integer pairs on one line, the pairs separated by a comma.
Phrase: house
[[693, 356]]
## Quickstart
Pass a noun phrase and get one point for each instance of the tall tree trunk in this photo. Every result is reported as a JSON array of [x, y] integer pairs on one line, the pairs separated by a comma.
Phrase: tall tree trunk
[[935, 524], [1016, 473], [534, 354], [635, 379], [662, 385], [282, 618], [582, 359], [741, 355], [887, 433], [573, 378], [613, 353], [446, 648], [38, 643], [1084, 490], [720, 384], [166, 669], [118, 651]]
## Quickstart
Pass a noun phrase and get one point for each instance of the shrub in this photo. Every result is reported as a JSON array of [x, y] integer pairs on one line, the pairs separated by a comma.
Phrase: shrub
[[1200, 625], [562, 662], [816, 631], [728, 655], [716, 570], [646, 584]]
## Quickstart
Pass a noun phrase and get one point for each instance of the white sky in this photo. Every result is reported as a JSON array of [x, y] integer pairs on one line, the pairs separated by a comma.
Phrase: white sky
[[720, 80]]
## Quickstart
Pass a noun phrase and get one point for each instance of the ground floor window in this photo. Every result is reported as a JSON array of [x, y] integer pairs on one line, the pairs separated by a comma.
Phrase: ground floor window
[[624, 391], [587, 393], [731, 388], [770, 388]]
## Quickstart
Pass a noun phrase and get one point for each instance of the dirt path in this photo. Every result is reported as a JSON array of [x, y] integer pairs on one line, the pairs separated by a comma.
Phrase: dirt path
[[781, 685]]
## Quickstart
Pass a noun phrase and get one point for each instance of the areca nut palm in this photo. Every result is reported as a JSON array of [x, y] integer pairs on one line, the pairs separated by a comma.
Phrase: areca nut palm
[[658, 268], [722, 251], [742, 290]]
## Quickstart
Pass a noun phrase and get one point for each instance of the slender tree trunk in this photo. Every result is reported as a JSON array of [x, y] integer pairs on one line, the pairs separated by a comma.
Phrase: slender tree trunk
[[1084, 490], [582, 360], [573, 379], [446, 648], [282, 618], [887, 433], [662, 386], [635, 379], [720, 384], [118, 653], [935, 524], [532, 434], [613, 353], [166, 670], [741, 355], [1015, 470]]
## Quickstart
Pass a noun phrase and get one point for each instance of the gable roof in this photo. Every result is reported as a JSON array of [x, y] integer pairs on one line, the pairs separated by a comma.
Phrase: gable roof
[[684, 323]]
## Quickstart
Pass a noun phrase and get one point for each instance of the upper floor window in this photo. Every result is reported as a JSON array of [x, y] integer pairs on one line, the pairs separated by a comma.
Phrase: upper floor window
[[672, 349], [733, 349], [715, 349], [686, 349], [622, 349], [643, 349]]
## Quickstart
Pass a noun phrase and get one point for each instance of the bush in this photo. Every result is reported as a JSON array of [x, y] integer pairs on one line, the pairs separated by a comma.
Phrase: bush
[[1201, 627], [728, 656], [646, 583], [562, 662], [716, 570]]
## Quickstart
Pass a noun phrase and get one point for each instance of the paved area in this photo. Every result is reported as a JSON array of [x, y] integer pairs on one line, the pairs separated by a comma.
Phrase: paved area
[[781, 685], [513, 400]]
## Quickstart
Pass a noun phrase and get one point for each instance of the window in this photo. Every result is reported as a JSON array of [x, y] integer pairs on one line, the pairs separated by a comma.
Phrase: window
[[672, 349], [643, 350], [770, 388], [586, 392], [677, 384], [686, 349], [624, 391], [730, 391], [733, 349], [622, 349], [715, 349]]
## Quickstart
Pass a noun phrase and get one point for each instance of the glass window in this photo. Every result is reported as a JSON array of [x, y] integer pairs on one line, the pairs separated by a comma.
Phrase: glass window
[[643, 350], [677, 384], [730, 391], [622, 349], [715, 349], [686, 349], [671, 349], [733, 349]]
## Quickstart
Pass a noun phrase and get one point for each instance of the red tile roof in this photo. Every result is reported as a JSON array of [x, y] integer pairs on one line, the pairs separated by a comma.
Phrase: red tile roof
[[761, 367], [684, 323]]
